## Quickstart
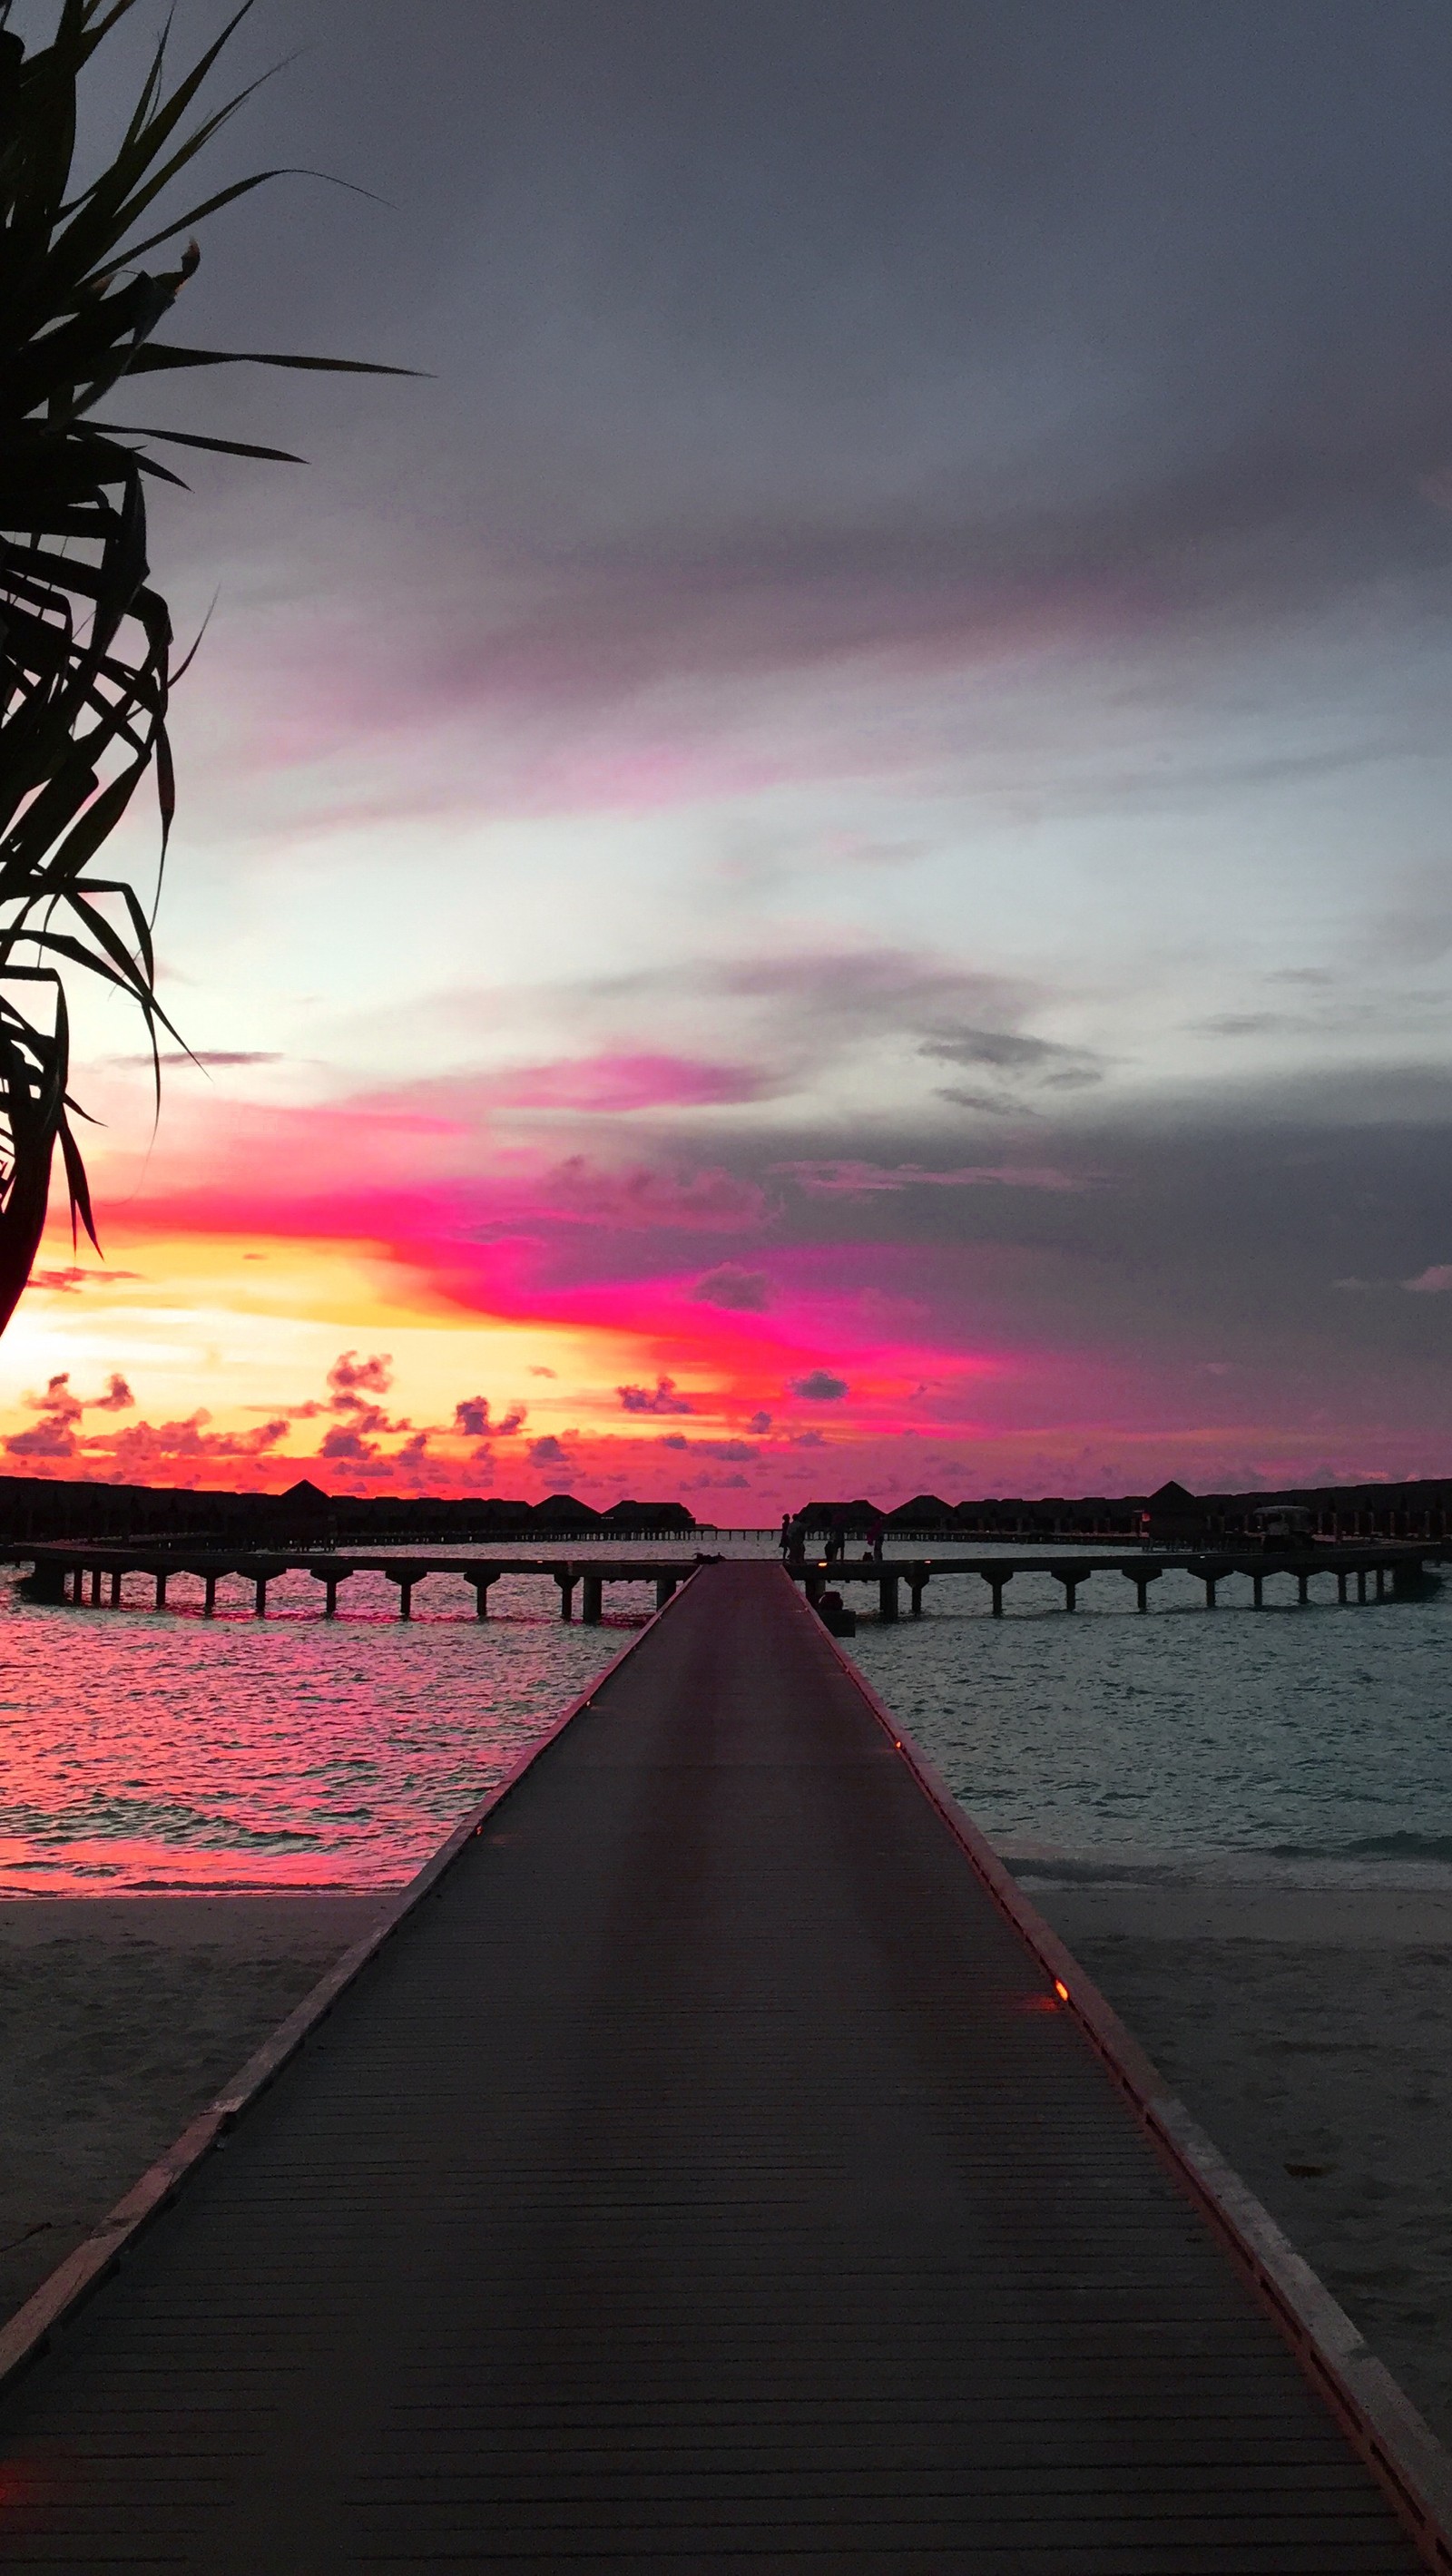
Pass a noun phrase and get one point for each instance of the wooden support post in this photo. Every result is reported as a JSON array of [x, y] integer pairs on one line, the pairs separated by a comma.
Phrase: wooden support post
[[1381, 1583], [209, 1606], [995, 1584], [161, 1587], [1341, 1583], [887, 1597], [1361, 1583], [566, 1582], [95, 1587], [1210, 1581], [1142, 1581], [917, 1582], [260, 1583], [1071, 1583], [1302, 1583], [1257, 1590], [592, 1594], [116, 1588], [481, 1583], [330, 1596], [665, 1590], [405, 1596]]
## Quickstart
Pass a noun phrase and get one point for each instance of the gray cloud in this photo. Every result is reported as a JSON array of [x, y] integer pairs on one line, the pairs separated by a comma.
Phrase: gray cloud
[[1246, 1024], [964, 319], [730, 1286], [1002, 1047], [820, 1387]]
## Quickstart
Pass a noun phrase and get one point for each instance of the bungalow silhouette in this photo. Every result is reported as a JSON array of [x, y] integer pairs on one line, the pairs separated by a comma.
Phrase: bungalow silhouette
[[305, 1515], [1174, 1518]]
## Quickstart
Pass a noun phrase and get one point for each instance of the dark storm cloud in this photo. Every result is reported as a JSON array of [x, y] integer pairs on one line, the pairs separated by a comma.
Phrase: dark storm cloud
[[789, 328], [1225, 1221]]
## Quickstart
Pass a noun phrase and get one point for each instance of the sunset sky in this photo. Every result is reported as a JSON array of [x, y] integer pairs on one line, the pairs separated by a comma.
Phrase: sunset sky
[[821, 864]]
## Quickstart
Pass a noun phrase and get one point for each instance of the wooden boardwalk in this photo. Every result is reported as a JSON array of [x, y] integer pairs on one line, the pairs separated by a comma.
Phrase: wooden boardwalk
[[706, 2175]]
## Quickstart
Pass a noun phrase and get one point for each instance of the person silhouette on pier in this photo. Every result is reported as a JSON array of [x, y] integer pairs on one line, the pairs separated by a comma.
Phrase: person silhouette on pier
[[788, 1540]]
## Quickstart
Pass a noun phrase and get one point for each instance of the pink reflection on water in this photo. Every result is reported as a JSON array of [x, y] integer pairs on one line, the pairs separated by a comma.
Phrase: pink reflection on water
[[144, 1753]]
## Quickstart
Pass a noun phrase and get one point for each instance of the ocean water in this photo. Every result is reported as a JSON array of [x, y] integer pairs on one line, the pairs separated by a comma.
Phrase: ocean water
[[145, 1752], [1292, 1742]]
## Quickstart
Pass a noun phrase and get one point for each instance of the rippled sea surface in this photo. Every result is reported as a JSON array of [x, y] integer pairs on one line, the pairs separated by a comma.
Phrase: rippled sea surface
[[1289, 1736], [140, 1751]]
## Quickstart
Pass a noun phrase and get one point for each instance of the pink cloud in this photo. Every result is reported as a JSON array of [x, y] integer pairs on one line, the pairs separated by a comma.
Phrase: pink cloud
[[350, 1378], [662, 1398], [474, 1421], [59, 1403], [48, 1439], [71, 1280], [624, 1082]]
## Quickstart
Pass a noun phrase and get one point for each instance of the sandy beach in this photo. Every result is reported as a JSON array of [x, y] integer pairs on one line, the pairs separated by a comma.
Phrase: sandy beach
[[120, 2017], [1308, 2028]]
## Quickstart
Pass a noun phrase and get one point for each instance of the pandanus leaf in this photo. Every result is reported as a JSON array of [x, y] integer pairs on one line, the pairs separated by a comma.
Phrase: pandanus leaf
[[85, 637]]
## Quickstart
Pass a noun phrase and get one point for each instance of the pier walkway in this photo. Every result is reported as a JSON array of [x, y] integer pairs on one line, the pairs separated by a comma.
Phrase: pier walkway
[[707, 2174]]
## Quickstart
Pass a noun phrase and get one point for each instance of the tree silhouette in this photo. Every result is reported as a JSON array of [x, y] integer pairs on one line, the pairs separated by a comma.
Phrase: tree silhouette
[[86, 664]]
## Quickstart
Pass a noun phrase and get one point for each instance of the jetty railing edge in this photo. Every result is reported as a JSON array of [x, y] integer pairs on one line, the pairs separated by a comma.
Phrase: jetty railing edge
[[25, 2337], [1412, 2467]]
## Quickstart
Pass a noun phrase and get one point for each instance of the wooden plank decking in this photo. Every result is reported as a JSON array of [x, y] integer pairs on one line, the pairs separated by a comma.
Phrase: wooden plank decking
[[706, 2176]]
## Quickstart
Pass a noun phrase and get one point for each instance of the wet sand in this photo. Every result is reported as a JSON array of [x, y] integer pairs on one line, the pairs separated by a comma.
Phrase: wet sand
[[1309, 2029]]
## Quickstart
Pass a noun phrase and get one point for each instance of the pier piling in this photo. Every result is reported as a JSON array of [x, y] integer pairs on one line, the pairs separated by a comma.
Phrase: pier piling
[[80, 1573]]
